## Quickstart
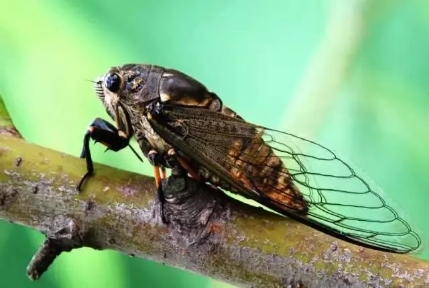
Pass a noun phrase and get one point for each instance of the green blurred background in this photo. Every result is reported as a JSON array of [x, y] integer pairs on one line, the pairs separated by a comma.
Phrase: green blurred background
[[349, 74]]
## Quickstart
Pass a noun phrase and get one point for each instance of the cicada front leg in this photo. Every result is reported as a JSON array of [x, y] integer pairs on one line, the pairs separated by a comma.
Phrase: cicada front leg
[[105, 133]]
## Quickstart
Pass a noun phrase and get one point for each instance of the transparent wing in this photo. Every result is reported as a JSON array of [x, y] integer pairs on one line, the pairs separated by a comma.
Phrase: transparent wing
[[342, 197], [290, 175]]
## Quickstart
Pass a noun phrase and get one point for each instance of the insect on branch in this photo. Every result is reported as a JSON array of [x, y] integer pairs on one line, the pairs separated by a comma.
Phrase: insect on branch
[[216, 236]]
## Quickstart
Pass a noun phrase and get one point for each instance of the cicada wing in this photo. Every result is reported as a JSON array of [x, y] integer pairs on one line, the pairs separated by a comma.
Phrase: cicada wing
[[342, 197], [290, 175]]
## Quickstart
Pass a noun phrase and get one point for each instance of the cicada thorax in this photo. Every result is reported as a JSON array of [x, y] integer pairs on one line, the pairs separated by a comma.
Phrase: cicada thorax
[[172, 87]]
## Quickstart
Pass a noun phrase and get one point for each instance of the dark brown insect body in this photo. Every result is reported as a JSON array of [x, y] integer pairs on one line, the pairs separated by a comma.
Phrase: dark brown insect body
[[140, 85], [171, 114]]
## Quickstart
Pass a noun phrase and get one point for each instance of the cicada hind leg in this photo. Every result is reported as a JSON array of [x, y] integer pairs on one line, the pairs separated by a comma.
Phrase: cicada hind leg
[[159, 169], [171, 160], [174, 161], [159, 163]]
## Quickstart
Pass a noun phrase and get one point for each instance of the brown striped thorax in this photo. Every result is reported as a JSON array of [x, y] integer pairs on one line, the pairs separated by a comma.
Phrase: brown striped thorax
[[136, 85]]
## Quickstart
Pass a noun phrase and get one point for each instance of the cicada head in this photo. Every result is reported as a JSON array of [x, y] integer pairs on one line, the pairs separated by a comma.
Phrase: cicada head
[[132, 85]]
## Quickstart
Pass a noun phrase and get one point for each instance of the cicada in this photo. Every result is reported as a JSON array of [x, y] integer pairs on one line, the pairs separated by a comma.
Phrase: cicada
[[176, 120]]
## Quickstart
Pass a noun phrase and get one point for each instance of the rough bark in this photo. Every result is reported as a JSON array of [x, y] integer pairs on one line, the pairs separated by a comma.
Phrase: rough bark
[[208, 232]]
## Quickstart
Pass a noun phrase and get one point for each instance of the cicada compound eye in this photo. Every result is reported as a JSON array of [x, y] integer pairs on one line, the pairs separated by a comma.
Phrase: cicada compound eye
[[112, 82]]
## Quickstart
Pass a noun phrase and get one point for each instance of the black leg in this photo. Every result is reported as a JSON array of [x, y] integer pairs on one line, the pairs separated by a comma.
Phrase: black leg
[[162, 160], [161, 199], [108, 135]]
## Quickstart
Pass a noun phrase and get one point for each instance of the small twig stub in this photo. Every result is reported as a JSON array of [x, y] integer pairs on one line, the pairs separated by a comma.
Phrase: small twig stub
[[66, 238]]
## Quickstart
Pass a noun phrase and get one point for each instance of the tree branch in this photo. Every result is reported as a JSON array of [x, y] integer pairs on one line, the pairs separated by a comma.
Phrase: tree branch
[[208, 232]]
